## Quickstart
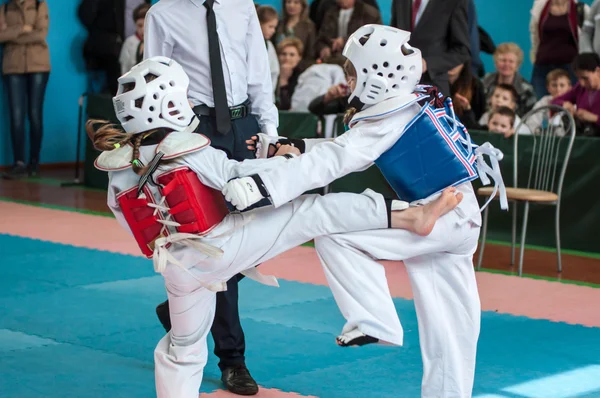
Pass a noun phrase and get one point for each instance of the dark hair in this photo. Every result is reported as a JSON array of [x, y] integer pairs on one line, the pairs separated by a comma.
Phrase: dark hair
[[266, 14], [464, 85], [504, 111], [586, 62], [140, 11], [511, 89]]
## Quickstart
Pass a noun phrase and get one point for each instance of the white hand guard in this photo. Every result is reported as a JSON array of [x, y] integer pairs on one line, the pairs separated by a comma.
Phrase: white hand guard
[[263, 143], [244, 192]]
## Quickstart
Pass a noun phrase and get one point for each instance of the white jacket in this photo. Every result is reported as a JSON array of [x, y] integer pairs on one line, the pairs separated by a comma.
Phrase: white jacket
[[589, 41], [273, 65], [313, 82]]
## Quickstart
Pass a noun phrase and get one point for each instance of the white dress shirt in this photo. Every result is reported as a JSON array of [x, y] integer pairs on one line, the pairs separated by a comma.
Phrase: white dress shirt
[[177, 29], [343, 21]]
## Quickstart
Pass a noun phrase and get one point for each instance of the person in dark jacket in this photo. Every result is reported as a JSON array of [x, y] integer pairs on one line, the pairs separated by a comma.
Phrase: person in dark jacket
[[105, 23], [468, 95]]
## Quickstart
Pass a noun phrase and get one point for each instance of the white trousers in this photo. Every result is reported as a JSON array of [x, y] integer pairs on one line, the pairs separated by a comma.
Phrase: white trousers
[[181, 355], [440, 268]]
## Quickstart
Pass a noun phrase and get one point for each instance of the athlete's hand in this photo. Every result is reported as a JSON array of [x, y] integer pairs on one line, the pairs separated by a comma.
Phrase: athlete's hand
[[264, 145], [242, 192], [285, 149]]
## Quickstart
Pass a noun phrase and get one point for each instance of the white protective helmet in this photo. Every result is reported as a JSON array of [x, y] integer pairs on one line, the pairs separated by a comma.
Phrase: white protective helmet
[[153, 94], [386, 65]]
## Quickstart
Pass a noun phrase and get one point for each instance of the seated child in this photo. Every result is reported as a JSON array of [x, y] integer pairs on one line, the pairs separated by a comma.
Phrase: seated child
[[502, 120], [504, 95], [558, 82]]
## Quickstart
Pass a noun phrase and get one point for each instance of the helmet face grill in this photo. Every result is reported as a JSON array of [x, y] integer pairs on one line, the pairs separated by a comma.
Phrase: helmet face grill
[[388, 66], [153, 94]]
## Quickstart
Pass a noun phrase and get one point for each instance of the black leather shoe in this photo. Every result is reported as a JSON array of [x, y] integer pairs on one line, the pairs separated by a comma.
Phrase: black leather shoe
[[237, 380], [162, 311]]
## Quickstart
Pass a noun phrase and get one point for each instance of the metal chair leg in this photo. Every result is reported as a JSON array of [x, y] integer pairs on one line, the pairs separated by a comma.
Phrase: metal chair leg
[[523, 233], [483, 236], [558, 237], [513, 243]]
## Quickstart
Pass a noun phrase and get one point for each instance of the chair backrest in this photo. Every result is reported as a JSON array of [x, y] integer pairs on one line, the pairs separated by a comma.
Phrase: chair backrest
[[553, 133]]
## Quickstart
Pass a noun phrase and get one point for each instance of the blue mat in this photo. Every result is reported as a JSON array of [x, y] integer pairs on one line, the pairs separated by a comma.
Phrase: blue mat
[[80, 323]]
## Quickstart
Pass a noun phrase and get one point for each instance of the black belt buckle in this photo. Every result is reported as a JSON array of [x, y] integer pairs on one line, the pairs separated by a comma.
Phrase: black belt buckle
[[238, 112]]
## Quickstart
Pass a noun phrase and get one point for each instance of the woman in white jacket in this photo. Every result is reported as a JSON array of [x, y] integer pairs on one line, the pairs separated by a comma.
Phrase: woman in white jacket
[[555, 39]]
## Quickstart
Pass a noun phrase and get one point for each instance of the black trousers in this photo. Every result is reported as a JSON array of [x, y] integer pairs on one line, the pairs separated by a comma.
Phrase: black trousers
[[26, 97], [226, 330]]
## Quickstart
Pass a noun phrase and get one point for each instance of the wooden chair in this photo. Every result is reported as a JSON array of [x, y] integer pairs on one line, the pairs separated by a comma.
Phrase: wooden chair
[[552, 144]]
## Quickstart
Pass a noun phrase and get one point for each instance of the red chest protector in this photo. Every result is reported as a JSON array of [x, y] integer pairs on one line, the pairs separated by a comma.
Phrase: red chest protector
[[184, 203], [192, 207]]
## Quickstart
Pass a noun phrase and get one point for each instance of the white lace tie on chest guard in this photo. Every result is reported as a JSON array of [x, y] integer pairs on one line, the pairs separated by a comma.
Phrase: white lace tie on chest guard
[[435, 152]]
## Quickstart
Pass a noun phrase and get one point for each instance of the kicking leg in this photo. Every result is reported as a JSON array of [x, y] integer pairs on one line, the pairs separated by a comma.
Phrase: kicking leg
[[421, 219]]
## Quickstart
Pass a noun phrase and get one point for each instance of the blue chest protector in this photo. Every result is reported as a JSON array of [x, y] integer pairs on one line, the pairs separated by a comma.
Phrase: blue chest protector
[[436, 152]]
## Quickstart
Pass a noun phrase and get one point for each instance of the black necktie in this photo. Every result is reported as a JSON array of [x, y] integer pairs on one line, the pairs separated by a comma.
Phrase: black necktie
[[216, 71]]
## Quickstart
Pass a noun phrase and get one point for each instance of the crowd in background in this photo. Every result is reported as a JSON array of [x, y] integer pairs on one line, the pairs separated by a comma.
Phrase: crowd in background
[[304, 45]]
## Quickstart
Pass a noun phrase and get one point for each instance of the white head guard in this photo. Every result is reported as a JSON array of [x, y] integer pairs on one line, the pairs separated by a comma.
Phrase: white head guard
[[153, 94], [386, 65]]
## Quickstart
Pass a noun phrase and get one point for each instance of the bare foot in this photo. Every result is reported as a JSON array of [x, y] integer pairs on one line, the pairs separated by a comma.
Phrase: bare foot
[[422, 219], [434, 210]]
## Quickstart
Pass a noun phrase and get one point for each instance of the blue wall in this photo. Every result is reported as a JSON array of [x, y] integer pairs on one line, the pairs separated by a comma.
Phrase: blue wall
[[67, 82], [68, 79]]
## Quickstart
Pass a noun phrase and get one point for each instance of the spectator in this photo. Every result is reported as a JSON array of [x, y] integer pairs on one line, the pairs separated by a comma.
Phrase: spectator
[[130, 6], [267, 16], [340, 22], [504, 95], [133, 47], [26, 68], [318, 9], [508, 58], [583, 101], [314, 82], [558, 82], [295, 23], [554, 39], [334, 101], [440, 30], [105, 23], [590, 41], [467, 94], [502, 120], [290, 53]]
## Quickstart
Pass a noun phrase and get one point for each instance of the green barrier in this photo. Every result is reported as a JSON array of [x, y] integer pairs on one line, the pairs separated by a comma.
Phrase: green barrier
[[98, 107], [580, 214], [298, 125]]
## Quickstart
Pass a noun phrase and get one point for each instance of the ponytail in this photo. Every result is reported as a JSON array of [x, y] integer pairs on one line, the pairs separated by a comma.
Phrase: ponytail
[[108, 137], [350, 112]]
